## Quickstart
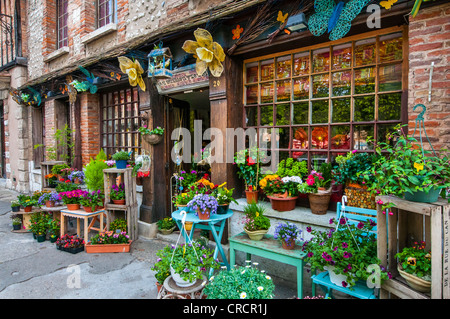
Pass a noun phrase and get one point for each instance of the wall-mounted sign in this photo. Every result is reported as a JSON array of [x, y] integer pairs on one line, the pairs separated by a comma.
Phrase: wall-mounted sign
[[183, 79]]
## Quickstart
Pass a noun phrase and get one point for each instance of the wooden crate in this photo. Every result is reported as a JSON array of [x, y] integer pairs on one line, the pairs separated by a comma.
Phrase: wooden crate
[[46, 168], [412, 221], [130, 208]]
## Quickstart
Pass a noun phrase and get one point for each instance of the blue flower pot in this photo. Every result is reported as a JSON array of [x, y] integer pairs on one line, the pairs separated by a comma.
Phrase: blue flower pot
[[121, 164], [423, 197]]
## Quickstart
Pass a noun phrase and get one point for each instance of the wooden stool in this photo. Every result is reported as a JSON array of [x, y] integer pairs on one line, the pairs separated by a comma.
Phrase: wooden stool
[[170, 290]]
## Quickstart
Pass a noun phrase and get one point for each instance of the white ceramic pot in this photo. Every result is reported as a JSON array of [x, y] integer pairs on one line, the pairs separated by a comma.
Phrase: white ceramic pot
[[180, 281], [336, 279]]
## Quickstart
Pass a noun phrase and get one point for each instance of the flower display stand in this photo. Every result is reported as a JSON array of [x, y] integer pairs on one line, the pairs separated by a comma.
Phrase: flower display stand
[[46, 168], [81, 214], [170, 290], [409, 222], [130, 207], [26, 216]]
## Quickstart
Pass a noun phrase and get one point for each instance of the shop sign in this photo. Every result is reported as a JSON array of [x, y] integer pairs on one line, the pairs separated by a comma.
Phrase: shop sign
[[183, 79]]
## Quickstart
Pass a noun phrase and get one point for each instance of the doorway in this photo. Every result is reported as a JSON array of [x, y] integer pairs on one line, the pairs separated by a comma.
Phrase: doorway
[[2, 142]]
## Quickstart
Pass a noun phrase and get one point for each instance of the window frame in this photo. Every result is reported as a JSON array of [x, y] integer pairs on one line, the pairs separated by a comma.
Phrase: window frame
[[376, 123], [64, 42], [111, 16]]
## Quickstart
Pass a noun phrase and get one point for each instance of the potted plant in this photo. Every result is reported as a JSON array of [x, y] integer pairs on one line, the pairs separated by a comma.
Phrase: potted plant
[[15, 206], [58, 170], [409, 171], [118, 224], [91, 200], [204, 205], [27, 202], [186, 263], [256, 225], [49, 199], [70, 243], [109, 242], [72, 198], [287, 234], [283, 193], [240, 283], [51, 180], [185, 179], [345, 251], [224, 197], [318, 195], [414, 265], [93, 172], [16, 222], [152, 136], [117, 194], [248, 165], [182, 199], [76, 177], [166, 225], [121, 159], [54, 227]]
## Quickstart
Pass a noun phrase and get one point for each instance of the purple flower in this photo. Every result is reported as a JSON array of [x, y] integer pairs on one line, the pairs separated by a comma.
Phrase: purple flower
[[308, 229], [347, 254], [310, 254], [360, 225], [342, 221], [344, 245]]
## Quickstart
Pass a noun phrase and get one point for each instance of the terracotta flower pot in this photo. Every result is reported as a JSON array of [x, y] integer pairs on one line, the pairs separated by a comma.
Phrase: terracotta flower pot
[[49, 203], [27, 209], [203, 214], [319, 203], [288, 245], [87, 209], [119, 201], [107, 248], [252, 196], [282, 204], [73, 206]]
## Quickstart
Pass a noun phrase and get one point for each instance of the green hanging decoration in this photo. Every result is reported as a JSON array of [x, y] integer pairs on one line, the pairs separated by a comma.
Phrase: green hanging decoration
[[86, 85], [336, 19], [420, 123]]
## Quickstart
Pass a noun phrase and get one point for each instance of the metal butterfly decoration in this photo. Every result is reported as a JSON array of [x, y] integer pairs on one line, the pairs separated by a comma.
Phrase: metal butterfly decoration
[[89, 83], [334, 18], [36, 96]]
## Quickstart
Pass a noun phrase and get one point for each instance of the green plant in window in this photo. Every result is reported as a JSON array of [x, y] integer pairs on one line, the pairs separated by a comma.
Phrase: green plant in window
[[63, 140]]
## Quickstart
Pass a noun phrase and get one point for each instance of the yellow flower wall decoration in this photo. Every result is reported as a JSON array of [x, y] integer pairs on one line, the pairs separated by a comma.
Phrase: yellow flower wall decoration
[[209, 54], [133, 70]]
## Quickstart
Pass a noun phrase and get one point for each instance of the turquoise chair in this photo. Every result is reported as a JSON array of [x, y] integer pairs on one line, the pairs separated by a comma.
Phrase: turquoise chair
[[360, 289]]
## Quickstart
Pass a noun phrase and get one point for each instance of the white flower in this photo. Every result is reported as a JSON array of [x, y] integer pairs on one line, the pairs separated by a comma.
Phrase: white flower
[[286, 179], [296, 179], [203, 283], [243, 295], [256, 264], [268, 277], [260, 288], [212, 278], [242, 272]]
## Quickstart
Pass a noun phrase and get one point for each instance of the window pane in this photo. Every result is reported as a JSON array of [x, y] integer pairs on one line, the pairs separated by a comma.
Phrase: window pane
[[267, 93], [301, 88], [317, 159], [365, 52], [301, 64], [282, 137], [267, 70], [340, 137], [301, 113], [341, 110], [342, 83], [391, 47], [319, 137], [390, 78], [321, 60], [365, 80], [360, 135], [364, 108], [266, 115], [300, 138], [283, 114], [251, 116], [389, 106], [251, 94], [383, 130], [320, 85], [342, 56], [252, 72], [283, 90], [284, 67], [320, 111]]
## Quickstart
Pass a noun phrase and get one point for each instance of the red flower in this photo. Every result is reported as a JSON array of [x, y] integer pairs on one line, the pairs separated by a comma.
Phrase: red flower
[[250, 161], [67, 181], [61, 179]]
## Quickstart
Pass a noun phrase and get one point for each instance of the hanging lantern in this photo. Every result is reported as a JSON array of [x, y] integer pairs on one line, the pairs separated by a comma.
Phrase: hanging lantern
[[160, 63]]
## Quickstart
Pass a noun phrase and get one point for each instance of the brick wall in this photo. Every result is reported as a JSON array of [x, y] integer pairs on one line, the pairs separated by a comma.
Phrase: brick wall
[[90, 126], [429, 41]]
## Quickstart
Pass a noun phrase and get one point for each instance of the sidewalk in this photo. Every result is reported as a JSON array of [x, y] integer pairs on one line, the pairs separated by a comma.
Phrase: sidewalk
[[39, 271]]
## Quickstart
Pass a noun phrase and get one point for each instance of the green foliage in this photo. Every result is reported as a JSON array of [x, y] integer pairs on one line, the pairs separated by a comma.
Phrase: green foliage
[[248, 164], [121, 156], [240, 283], [110, 238], [290, 167], [63, 139], [58, 168], [118, 224], [146, 131], [93, 173], [166, 223], [353, 168], [254, 218], [416, 260]]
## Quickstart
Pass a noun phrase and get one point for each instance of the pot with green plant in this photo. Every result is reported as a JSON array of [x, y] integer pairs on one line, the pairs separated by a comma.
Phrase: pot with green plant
[[414, 265], [408, 171], [287, 234], [224, 197], [240, 282], [346, 251], [54, 227], [16, 222], [91, 200], [248, 163], [318, 192], [72, 198], [166, 225], [27, 203], [256, 225], [117, 194], [15, 206], [154, 136], [59, 170], [282, 192], [121, 159]]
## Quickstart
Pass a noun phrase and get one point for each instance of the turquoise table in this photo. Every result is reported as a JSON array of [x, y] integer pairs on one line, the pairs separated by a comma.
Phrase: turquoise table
[[216, 223], [271, 249]]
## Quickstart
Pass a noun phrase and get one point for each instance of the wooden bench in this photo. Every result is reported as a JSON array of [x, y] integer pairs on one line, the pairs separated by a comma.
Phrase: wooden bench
[[360, 289], [269, 248]]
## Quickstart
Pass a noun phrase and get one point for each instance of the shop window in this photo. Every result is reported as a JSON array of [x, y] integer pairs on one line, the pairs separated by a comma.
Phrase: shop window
[[62, 23], [326, 101], [105, 12], [120, 121]]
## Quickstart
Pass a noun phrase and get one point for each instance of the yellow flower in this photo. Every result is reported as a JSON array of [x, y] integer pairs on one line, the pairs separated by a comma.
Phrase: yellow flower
[[418, 167], [209, 54], [257, 214], [133, 70], [411, 261], [221, 185]]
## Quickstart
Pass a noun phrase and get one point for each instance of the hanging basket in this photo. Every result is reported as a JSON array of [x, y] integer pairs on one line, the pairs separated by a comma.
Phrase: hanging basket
[[153, 138]]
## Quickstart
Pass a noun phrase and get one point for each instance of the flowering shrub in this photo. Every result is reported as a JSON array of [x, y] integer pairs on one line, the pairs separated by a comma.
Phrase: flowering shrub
[[350, 249], [188, 260], [185, 179], [248, 162], [312, 183], [240, 283], [204, 202], [72, 197], [69, 241], [286, 232], [254, 218], [110, 237], [74, 175], [416, 260], [92, 199]]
